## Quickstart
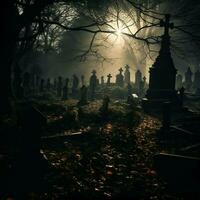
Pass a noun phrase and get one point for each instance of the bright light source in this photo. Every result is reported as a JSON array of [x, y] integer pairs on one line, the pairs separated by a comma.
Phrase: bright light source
[[119, 32]]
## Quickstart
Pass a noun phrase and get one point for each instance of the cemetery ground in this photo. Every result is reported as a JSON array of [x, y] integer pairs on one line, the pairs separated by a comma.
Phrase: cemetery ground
[[93, 155]]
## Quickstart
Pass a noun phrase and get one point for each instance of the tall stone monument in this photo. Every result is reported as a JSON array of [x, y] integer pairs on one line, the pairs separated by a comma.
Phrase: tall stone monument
[[162, 74]]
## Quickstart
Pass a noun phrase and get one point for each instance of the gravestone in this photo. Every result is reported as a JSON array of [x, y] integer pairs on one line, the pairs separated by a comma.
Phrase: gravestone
[[188, 79], [129, 89], [120, 78], [197, 80], [102, 80], [83, 97], [138, 79], [145, 82], [48, 86], [75, 84], [93, 84], [127, 75], [181, 95], [179, 81], [109, 79], [162, 74], [65, 89], [82, 80], [59, 86], [55, 84], [104, 108]]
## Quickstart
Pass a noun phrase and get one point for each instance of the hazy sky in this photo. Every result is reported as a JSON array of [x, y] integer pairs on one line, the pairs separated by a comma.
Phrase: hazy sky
[[118, 51]]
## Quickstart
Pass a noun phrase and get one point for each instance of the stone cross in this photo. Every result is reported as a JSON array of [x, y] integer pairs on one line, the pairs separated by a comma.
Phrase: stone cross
[[127, 67], [166, 24], [109, 77], [121, 70]]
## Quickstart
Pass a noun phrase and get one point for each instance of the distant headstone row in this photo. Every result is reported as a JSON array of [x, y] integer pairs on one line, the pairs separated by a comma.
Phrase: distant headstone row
[[27, 84], [191, 81]]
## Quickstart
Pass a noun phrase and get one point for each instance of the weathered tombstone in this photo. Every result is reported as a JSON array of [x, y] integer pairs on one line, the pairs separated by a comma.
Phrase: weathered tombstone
[[102, 80], [26, 83], [179, 81], [42, 85], [82, 80], [65, 89], [145, 81], [55, 84], [120, 78], [197, 80], [141, 88], [181, 95], [104, 108], [93, 84], [162, 75], [138, 79], [75, 84], [108, 80], [127, 75], [48, 86], [83, 97], [59, 86], [129, 89], [188, 79]]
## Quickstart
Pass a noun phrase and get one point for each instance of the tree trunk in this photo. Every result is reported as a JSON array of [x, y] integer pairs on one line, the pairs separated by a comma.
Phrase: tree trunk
[[7, 49]]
